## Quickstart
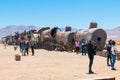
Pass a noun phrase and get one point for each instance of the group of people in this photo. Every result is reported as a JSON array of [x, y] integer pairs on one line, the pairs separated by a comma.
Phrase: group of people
[[25, 46], [86, 47], [89, 47], [80, 44], [111, 54]]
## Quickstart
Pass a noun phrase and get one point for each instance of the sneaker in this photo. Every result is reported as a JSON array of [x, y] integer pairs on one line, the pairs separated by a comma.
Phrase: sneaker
[[91, 72], [113, 69], [108, 65]]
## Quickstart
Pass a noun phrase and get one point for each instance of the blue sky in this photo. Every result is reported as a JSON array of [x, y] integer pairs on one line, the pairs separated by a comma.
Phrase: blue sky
[[61, 13]]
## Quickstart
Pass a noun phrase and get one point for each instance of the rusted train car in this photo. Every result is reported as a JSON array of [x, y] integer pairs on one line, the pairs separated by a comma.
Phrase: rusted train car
[[97, 35], [66, 38]]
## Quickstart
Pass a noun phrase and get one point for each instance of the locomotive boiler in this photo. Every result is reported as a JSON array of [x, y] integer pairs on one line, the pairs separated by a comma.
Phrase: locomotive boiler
[[66, 39], [97, 35]]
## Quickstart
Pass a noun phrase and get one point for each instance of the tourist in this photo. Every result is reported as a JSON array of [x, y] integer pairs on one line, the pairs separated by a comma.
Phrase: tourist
[[108, 46], [23, 47], [20, 46], [72, 45], [27, 47], [113, 55], [83, 47], [15, 45], [77, 46], [32, 46], [5, 44], [90, 49]]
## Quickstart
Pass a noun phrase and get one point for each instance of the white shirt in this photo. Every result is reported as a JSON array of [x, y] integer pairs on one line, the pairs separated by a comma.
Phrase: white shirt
[[113, 49], [83, 43]]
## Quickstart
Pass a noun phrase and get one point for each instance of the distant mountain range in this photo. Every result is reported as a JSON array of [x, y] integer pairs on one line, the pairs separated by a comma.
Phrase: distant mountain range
[[111, 33], [14, 28]]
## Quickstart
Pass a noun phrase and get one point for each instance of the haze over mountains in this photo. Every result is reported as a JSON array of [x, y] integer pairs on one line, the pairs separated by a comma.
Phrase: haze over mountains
[[111, 33], [14, 28]]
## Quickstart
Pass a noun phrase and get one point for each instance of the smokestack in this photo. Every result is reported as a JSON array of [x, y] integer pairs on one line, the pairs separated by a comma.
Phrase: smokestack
[[68, 28], [93, 25]]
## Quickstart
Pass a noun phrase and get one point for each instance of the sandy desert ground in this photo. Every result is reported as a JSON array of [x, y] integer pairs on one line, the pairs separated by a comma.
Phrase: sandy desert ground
[[51, 65]]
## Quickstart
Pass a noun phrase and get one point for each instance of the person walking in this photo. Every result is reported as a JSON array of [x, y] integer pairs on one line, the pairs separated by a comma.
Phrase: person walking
[[113, 55], [90, 49]]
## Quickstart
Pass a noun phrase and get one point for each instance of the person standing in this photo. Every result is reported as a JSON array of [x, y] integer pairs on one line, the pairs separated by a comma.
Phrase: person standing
[[32, 46], [15, 45], [27, 47], [109, 45], [77, 46], [83, 47], [23, 47], [90, 49], [20, 46], [113, 55], [72, 44], [5, 44]]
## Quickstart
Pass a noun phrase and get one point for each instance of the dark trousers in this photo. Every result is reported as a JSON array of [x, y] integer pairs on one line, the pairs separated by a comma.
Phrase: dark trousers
[[77, 50], [83, 50], [27, 51], [91, 58], [109, 59], [32, 49]]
